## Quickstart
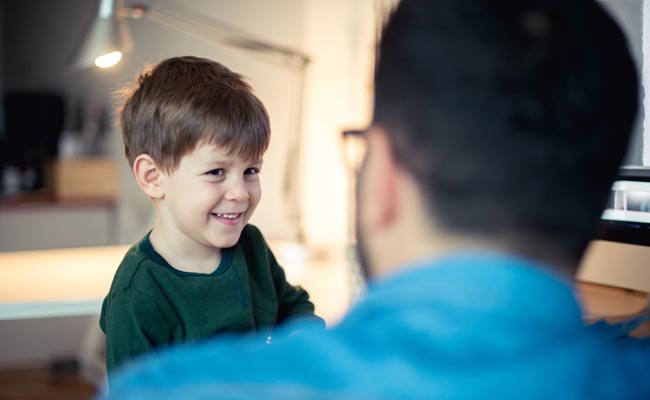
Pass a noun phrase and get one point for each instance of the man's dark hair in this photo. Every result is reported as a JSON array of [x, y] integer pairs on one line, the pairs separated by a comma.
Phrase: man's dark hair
[[512, 116]]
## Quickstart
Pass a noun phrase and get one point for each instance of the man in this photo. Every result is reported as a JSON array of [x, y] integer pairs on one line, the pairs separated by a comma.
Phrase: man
[[498, 128]]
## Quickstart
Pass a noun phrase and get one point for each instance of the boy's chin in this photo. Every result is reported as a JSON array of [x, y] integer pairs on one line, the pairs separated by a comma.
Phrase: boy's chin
[[225, 245], [227, 241]]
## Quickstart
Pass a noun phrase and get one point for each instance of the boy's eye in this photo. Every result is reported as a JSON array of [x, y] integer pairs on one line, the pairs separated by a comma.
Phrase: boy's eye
[[252, 171], [217, 172]]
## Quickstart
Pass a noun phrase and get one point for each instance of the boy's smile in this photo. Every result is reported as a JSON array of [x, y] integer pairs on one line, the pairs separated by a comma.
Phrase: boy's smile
[[228, 219], [207, 201]]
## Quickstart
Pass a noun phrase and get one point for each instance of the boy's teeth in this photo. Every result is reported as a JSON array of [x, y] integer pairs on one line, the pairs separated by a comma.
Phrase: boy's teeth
[[228, 216]]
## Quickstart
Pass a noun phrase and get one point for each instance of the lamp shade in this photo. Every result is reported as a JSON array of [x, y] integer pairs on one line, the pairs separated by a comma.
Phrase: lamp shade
[[106, 39]]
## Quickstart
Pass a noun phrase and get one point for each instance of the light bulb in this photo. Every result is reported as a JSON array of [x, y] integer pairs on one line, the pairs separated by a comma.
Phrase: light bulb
[[108, 60]]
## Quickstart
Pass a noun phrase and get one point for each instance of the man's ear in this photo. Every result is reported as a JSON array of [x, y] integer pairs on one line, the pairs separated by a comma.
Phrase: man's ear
[[381, 176], [149, 176]]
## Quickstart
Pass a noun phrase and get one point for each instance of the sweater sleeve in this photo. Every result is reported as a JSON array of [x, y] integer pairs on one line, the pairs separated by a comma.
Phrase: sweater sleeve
[[134, 325], [293, 301]]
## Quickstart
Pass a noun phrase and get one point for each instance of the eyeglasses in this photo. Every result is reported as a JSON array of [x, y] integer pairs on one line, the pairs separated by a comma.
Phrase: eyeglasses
[[355, 148]]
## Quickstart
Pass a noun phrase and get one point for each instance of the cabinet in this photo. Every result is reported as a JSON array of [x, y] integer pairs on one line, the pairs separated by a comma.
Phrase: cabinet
[[54, 224]]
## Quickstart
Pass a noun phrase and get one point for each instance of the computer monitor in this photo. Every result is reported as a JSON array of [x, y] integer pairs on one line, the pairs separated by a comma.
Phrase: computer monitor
[[619, 255]]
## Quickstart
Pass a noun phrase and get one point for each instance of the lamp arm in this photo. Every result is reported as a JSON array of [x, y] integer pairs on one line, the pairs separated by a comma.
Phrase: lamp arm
[[216, 31]]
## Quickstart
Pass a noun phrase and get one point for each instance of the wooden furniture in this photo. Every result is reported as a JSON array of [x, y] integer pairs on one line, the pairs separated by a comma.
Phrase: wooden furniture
[[613, 304], [84, 178]]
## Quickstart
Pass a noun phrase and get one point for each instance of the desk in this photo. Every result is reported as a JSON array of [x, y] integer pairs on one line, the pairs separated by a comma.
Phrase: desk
[[612, 304], [56, 283], [70, 282]]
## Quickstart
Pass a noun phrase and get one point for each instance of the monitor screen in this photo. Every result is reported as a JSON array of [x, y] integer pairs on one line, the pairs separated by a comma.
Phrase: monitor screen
[[626, 218]]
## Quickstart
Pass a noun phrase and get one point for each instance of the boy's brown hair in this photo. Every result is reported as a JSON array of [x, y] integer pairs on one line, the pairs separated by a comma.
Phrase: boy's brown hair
[[183, 102]]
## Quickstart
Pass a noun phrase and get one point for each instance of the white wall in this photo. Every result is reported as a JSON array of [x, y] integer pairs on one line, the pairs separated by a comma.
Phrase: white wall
[[340, 34]]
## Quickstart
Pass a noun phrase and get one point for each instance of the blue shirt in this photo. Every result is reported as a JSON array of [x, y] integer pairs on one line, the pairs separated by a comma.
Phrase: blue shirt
[[466, 326]]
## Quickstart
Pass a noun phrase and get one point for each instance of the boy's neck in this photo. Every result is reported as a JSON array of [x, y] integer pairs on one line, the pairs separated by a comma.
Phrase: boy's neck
[[187, 256]]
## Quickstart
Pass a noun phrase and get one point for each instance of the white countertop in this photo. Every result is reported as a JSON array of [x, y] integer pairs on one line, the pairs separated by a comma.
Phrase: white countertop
[[67, 282]]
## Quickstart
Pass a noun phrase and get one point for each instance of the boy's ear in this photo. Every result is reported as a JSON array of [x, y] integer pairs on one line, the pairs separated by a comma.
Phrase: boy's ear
[[149, 176]]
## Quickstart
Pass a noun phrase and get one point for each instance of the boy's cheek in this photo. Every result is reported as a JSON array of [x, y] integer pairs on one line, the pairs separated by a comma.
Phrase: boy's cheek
[[255, 194]]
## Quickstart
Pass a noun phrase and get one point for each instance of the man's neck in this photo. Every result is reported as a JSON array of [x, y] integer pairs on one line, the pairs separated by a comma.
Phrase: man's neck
[[435, 244], [421, 248]]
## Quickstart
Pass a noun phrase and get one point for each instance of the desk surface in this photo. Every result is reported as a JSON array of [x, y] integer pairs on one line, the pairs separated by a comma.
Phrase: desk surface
[[59, 282], [65, 282]]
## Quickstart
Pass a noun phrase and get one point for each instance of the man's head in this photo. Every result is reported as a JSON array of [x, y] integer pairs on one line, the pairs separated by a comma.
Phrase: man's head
[[505, 120], [186, 101]]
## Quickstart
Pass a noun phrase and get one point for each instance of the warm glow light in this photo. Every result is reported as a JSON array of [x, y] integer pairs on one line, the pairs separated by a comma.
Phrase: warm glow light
[[108, 60]]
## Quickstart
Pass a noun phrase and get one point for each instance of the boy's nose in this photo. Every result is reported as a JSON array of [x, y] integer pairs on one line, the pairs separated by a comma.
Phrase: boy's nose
[[237, 191]]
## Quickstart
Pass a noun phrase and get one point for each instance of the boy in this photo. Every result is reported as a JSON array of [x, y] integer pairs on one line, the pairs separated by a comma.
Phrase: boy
[[194, 136]]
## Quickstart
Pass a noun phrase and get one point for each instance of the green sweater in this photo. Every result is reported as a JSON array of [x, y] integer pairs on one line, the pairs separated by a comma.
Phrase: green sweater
[[152, 305]]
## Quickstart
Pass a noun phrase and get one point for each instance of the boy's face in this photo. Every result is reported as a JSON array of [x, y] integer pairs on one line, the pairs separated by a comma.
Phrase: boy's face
[[210, 197]]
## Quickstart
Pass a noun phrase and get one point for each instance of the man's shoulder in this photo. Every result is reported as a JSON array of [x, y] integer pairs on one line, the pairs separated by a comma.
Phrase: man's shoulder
[[387, 359]]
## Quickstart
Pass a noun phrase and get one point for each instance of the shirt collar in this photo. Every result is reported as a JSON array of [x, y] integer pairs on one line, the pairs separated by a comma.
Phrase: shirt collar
[[488, 283]]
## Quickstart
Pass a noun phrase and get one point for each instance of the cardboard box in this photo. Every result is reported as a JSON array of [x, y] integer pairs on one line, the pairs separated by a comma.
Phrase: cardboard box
[[87, 178]]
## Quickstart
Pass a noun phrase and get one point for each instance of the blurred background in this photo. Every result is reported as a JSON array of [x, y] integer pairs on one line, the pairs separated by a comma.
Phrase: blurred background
[[64, 180], [74, 120]]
